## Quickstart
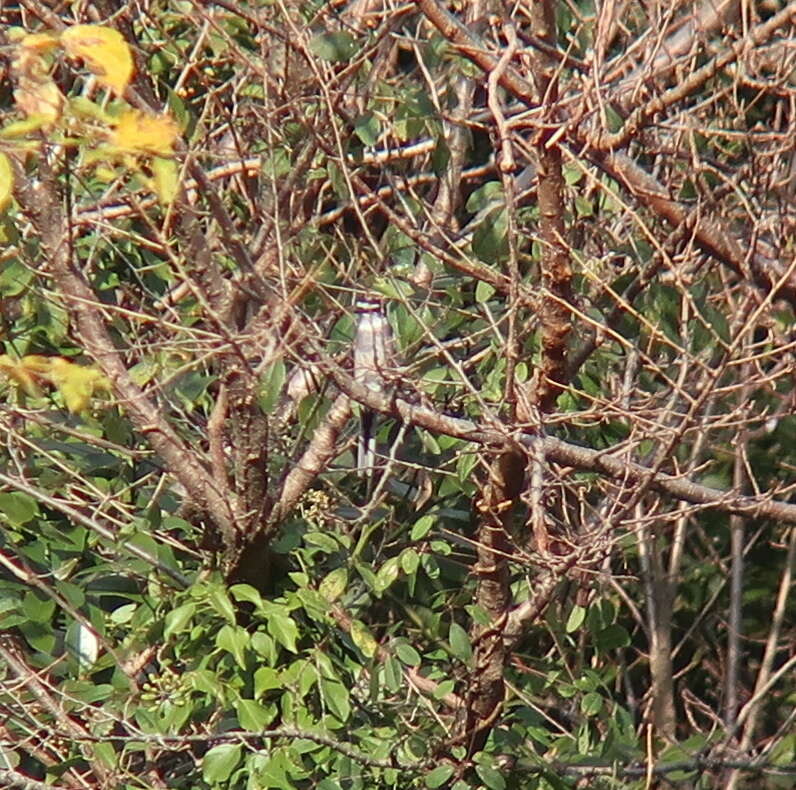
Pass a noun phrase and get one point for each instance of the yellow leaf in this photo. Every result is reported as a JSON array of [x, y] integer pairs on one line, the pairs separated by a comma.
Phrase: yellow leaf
[[25, 377], [77, 384], [104, 51], [105, 174], [38, 42], [6, 182], [363, 639], [17, 129], [139, 133], [36, 364], [167, 179]]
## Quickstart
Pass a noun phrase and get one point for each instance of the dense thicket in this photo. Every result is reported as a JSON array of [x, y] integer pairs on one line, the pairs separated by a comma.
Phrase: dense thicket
[[570, 563]]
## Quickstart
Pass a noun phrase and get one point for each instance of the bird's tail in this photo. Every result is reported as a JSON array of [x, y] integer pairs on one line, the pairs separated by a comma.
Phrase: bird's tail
[[366, 448]]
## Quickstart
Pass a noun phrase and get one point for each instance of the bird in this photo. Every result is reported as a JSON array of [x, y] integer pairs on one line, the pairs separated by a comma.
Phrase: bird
[[373, 352]]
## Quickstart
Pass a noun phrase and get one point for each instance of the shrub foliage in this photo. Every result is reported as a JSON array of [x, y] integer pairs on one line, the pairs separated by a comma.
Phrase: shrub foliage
[[568, 560]]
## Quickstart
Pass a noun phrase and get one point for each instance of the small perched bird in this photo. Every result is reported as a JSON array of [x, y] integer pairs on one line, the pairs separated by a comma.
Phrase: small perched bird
[[373, 352]]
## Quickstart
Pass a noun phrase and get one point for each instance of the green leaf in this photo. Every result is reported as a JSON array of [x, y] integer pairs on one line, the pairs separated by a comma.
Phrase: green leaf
[[302, 673], [87, 691], [334, 584], [284, 630], [584, 207], [490, 192], [105, 753], [430, 443], [615, 120], [490, 238], [422, 527], [174, 716], [178, 618], [272, 384], [247, 593], [122, 615], [407, 654], [234, 640], [443, 689], [219, 600], [575, 619], [314, 604], [264, 646], [336, 697], [393, 675], [206, 682], [612, 638], [18, 508], [41, 636], [591, 704], [410, 561], [274, 774], [387, 574], [465, 463], [572, 173], [785, 751], [718, 322], [266, 679], [460, 642], [363, 639], [368, 129], [15, 278], [179, 110], [490, 777], [478, 613], [73, 594], [323, 541], [219, 763], [335, 46], [24, 127], [299, 578], [83, 107], [484, 292], [38, 607], [439, 776], [254, 716], [440, 159]]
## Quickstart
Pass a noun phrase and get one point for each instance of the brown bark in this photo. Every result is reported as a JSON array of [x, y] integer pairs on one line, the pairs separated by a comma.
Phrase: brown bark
[[42, 204], [556, 318], [486, 683]]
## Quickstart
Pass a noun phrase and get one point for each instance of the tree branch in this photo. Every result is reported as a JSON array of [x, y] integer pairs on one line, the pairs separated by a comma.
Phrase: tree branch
[[584, 458], [712, 234], [42, 204]]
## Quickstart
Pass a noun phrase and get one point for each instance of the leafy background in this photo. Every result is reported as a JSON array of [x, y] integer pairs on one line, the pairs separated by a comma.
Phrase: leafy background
[[199, 589]]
